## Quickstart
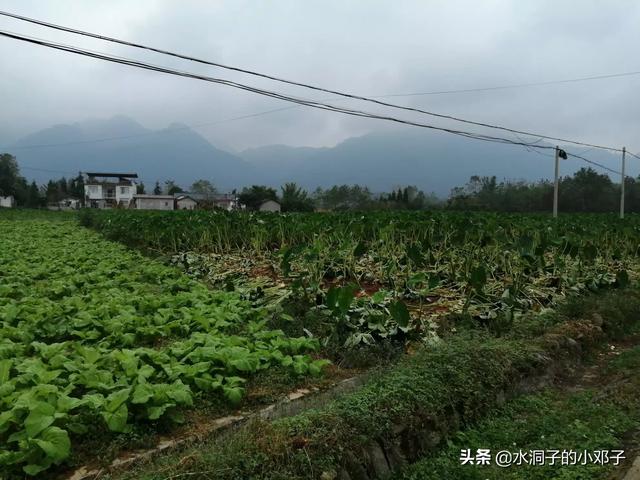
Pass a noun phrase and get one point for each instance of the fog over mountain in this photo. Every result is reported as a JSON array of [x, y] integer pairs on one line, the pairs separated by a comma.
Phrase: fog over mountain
[[434, 162], [370, 48], [176, 152]]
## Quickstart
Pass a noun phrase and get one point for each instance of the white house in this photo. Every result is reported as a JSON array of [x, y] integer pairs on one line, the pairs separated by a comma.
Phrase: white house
[[225, 201], [269, 206], [108, 190], [69, 204], [153, 202], [65, 204], [7, 202], [185, 202]]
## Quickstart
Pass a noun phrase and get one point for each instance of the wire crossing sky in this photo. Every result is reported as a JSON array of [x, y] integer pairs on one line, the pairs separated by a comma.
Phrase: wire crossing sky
[[485, 61], [304, 85], [280, 96]]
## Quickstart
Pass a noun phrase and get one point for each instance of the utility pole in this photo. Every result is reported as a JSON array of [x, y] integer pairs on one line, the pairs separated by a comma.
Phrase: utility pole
[[555, 185], [559, 154], [624, 151]]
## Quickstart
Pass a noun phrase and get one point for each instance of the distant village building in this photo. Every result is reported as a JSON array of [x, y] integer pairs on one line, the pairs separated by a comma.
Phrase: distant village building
[[65, 204], [269, 206], [109, 190], [7, 202], [224, 201], [185, 202], [153, 202]]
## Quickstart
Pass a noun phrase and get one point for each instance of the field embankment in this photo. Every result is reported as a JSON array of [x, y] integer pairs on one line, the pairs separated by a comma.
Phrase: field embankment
[[430, 404], [107, 348]]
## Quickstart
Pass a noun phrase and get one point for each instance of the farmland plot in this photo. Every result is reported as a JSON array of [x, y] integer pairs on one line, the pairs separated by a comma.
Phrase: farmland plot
[[388, 274], [95, 337]]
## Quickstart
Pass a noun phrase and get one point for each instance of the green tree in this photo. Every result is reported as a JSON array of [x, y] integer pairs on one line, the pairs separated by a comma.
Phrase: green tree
[[157, 190], [63, 188], [140, 189], [588, 191], [345, 197], [51, 191], [295, 199], [76, 187], [585, 191], [11, 183], [203, 187], [34, 199], [171, 187], [256, 195]]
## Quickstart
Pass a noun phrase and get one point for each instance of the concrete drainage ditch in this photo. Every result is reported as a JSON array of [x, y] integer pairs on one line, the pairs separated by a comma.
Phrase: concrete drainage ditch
[[409, 439]]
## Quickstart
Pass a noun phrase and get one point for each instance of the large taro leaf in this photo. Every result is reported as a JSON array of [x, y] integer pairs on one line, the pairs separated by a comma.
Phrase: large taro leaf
[[400, 313]]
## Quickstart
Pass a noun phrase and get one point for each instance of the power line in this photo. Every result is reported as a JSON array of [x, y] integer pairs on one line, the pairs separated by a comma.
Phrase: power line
[[412, 94], [515, 85], [268, 93], [291, 82], [578, 156], [528, 145], [596, 164], [124, 61]]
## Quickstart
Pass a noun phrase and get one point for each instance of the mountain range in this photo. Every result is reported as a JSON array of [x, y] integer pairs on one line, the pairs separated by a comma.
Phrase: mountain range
[[433, 161]]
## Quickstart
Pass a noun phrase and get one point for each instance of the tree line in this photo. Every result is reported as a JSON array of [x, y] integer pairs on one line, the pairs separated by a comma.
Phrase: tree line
[[32, 195], [585, 191]]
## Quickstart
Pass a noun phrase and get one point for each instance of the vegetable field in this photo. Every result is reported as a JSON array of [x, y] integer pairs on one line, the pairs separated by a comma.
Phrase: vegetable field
[[387, 274], [95, 338], [99, 339]]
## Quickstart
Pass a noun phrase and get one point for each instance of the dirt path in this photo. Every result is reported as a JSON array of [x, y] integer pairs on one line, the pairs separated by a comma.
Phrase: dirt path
[[601, 377], [592, 407], [292, 403]]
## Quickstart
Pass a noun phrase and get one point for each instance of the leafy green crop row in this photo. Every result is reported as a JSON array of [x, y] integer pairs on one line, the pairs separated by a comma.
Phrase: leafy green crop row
[[92, 333], [486, 265], [223, 232]]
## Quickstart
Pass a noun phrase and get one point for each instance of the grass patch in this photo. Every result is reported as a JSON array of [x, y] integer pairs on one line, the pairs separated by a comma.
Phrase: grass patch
[[626, 361], [440, 390], [546, 421], [425, 388], [552, 420]]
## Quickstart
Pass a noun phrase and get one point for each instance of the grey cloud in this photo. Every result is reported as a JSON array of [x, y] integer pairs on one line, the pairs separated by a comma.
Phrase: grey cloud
[[369, 47]]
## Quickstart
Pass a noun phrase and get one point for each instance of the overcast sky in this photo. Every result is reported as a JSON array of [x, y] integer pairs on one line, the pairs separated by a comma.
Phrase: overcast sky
[[368, 47]]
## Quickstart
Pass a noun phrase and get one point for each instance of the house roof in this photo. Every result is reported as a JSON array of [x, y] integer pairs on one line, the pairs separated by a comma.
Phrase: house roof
[[214, 197], [185, 197], [119, 175], [119, 183], [154, 197]]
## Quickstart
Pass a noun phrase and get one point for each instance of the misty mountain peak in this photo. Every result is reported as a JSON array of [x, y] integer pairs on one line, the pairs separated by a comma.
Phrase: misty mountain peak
[[111, 127], [178, 126], [433, 162]]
